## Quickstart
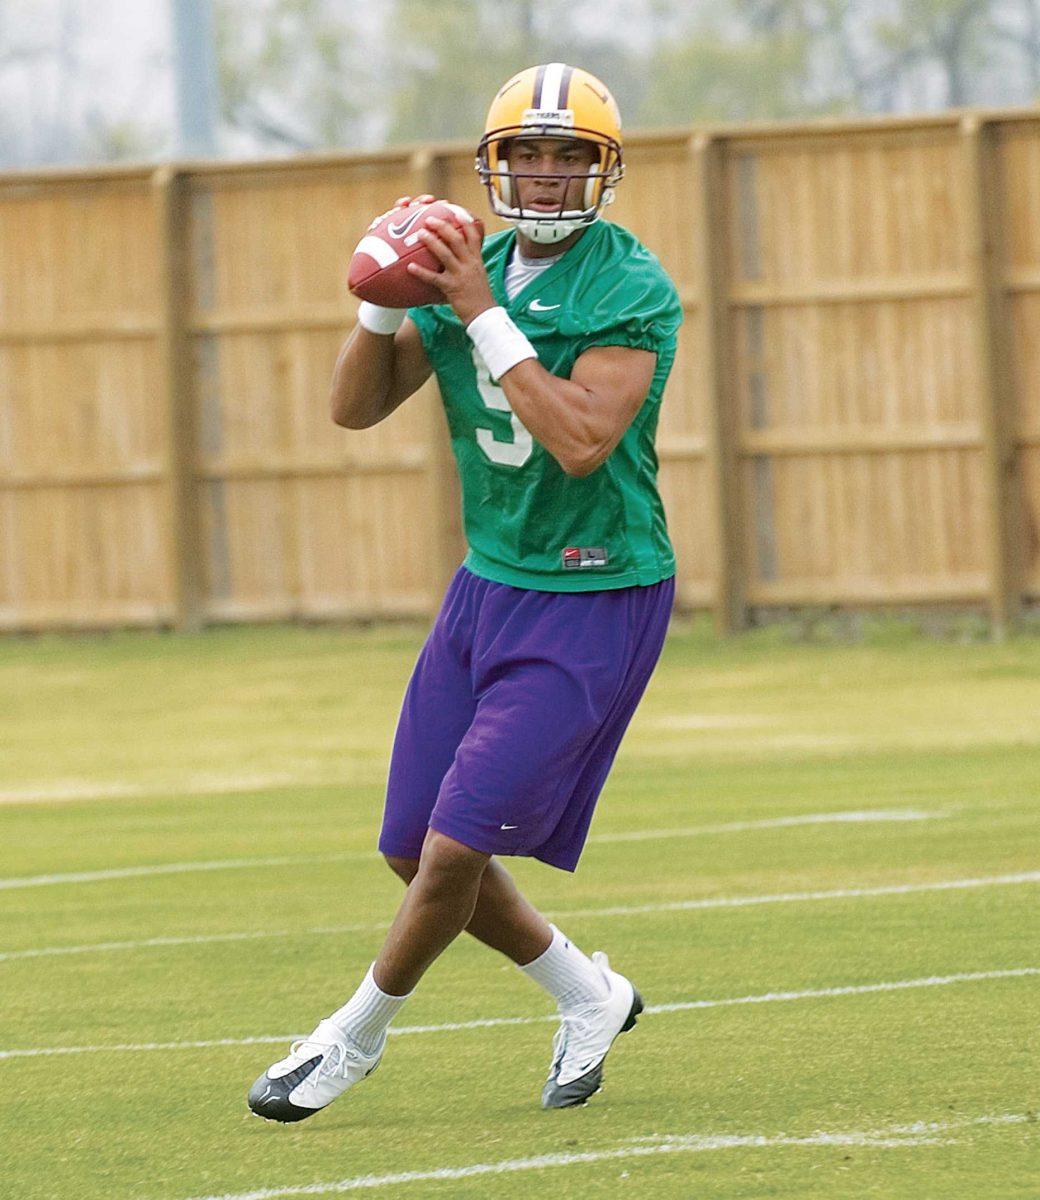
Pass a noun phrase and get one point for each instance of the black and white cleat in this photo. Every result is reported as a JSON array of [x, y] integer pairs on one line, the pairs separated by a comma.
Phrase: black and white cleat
[[584, 1038], [317, 1070]]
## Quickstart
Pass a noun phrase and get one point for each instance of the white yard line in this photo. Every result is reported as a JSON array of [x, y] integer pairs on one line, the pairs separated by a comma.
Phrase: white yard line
[[237, 864], [896, 889], [204, 785], [861, 989], [866, 817], [179, 868], [892, 1137], [203, 939], [705, 904]]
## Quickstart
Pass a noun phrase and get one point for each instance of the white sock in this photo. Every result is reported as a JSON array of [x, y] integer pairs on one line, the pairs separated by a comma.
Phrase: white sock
[[567, 974], [367, 1013]]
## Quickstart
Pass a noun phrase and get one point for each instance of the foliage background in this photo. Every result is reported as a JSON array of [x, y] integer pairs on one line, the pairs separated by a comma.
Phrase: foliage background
[[92, 80]]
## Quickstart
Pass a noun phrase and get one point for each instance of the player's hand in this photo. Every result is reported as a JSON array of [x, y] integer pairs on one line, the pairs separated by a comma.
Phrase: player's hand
[[462, 279]]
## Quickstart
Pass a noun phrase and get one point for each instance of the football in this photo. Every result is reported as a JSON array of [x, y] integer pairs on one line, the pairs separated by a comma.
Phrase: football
[[379, 266]]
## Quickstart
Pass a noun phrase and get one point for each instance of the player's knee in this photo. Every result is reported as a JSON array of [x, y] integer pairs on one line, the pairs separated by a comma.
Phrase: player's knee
[[445, 858], [404, 867]]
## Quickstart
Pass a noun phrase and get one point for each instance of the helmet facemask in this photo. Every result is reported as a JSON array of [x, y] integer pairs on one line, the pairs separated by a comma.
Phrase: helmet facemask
[[601, 177]]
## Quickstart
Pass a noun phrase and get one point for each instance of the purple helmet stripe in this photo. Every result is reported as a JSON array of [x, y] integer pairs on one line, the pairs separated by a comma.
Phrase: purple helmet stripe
[[565, 85], [539, 79]]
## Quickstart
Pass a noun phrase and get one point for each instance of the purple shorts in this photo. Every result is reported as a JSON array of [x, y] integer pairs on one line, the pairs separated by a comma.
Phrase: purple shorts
[[514, 712]]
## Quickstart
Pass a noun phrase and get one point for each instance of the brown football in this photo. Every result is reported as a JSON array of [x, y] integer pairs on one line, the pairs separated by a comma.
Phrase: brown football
[[379, 266]]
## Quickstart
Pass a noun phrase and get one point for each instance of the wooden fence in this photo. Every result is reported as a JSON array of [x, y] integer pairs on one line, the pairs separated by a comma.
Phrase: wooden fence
[[854, 416]]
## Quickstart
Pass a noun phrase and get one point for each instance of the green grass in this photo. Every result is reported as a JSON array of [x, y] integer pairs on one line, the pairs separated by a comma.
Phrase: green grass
[[140, 750]]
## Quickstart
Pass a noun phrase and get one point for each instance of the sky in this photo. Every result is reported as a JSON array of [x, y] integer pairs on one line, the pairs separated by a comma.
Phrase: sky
[[104, 56], [119, 52]]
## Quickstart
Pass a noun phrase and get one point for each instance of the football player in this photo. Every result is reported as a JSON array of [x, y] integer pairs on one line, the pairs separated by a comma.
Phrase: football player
[[551, 350]]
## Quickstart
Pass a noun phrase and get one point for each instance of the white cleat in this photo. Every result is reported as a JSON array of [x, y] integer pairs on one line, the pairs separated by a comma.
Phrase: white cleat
[[317, 1070], [585, 1036]]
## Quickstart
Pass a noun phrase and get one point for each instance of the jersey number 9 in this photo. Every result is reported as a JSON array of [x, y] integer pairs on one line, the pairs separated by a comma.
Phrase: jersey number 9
[[508, 454]]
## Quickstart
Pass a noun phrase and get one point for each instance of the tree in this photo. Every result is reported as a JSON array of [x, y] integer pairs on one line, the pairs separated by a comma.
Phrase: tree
[[1017, 24], [51, 108], [453, 55], [713, 78], [948, 35], [449, 59], [293, 73]]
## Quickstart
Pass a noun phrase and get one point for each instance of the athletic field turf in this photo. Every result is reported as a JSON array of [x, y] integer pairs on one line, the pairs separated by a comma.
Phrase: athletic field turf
[[820, 864]]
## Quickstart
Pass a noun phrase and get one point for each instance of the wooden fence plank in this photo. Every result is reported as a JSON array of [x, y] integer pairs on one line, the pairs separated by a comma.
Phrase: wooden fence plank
[[841, 424]]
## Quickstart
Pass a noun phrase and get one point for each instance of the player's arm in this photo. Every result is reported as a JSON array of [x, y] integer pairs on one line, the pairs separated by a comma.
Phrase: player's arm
[[375, 373], [578, 420]]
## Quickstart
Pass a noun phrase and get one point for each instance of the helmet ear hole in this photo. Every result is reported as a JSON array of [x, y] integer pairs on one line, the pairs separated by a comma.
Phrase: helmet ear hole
[[589, 197], [597, 179], [503, 178]]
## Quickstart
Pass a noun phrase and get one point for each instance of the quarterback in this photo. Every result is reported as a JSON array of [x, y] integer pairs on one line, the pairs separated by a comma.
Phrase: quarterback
[[551, 350]]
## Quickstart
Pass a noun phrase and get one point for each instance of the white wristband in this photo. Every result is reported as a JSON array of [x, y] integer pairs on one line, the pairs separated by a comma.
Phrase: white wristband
[[498, 341], [377, 319]]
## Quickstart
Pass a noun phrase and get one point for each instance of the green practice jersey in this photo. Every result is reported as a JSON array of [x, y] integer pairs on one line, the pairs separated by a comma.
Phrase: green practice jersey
[[528, 523]]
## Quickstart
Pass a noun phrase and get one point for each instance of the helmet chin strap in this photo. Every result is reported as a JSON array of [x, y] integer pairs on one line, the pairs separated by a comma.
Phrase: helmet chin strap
[[547, 233]]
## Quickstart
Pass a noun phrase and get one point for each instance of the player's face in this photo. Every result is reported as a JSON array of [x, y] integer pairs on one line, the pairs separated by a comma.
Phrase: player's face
[[555, 168]]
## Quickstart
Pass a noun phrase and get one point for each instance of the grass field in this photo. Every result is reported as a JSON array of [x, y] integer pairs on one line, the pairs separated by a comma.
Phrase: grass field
[[820, 863]]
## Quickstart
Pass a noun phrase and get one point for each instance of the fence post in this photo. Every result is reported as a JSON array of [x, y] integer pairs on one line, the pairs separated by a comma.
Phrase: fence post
[[723, 464], [993, 375], [183, 540]]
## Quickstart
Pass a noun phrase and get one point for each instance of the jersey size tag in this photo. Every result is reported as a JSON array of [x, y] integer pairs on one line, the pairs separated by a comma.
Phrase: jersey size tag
[[576, 557]]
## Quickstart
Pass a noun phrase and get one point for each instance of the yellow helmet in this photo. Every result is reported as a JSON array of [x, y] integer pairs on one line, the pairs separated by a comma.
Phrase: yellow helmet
[[553, 100]]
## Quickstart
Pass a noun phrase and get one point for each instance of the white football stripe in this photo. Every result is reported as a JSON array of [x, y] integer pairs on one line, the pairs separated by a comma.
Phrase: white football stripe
[[865, 817], [551, 86], [861, 989], [706, 904], [920, 1133], [376, 248], [463, 214]]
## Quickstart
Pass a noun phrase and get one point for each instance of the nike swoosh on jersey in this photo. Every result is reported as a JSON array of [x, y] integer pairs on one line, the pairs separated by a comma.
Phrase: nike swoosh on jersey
[[538, 306]]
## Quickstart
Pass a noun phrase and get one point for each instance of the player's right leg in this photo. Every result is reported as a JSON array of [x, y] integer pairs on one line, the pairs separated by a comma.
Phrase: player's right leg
[[438, 706], [503, 918], [347, 1046]]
